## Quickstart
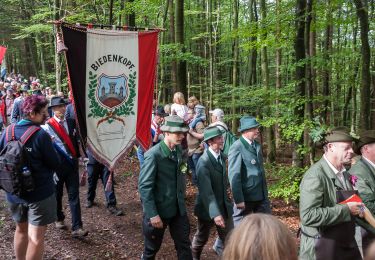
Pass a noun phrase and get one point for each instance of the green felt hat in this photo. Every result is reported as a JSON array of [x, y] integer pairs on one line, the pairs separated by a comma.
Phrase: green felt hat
[[211, 132], [174, 124], [365, 137], [248, 122]]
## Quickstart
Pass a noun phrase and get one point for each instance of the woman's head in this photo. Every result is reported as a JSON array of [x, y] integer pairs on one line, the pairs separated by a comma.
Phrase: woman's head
[[179, 98], [260, 236], [35, 108]]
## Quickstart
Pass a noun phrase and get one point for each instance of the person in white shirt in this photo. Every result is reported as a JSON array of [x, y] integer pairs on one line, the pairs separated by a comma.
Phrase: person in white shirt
[[179, 106]]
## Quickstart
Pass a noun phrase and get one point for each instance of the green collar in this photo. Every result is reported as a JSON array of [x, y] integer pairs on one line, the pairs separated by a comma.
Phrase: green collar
[[165, 148]]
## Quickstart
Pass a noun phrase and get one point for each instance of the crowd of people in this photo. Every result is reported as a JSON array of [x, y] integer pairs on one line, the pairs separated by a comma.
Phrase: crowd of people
[[232, 193], [331, 227], [53, 154]]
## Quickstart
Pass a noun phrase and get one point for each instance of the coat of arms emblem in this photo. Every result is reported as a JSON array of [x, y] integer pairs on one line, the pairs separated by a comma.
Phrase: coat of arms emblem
[[111, 97]]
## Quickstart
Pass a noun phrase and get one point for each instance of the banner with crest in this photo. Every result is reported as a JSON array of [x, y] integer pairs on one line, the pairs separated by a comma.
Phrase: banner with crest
[[112, 76]]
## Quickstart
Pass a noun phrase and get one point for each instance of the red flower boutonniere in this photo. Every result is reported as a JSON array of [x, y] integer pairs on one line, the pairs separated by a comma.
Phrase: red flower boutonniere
[[353, 180]]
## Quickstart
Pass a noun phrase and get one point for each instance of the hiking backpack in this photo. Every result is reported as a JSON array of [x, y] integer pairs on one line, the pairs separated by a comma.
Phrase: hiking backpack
[[15, 176], [229, 140]]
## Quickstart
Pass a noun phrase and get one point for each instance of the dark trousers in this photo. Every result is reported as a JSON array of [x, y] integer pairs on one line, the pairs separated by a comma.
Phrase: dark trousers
[[96, 170], [68, 174], [203, 233], [250, 207], [179, 228], [192, 162]]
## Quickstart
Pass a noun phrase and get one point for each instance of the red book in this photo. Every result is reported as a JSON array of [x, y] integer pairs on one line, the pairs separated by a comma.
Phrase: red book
[[353, 198]]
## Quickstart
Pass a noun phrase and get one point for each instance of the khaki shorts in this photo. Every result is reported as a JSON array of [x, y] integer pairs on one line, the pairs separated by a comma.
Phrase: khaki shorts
[[40, 213]]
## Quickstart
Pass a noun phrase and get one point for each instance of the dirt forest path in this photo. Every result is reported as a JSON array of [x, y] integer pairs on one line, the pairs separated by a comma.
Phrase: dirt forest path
[[114, 237]]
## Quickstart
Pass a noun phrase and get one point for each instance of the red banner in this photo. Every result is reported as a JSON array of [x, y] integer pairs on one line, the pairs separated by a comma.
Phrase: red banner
[[2, 53]]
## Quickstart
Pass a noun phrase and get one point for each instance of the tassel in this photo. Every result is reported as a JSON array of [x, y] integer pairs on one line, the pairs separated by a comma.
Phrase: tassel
[[60, 46], [83, 179], [108, 186]]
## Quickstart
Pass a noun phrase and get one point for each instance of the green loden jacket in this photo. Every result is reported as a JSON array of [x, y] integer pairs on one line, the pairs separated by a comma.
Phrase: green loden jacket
[[365, 185], [246, 173], [318, 207], [212, 199], [161, 183]]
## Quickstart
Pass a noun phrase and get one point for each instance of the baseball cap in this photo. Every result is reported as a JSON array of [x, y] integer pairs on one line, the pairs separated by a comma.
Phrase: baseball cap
[[217, 112]]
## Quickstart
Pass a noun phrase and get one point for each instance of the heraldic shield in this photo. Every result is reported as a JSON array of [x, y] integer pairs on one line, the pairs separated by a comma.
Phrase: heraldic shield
[[112, 91]]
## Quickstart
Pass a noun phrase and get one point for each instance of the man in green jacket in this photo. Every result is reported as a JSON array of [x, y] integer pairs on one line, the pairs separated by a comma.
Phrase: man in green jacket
[[363, 172], [162, 190], [246, 172], [212, 206], [327, 227]]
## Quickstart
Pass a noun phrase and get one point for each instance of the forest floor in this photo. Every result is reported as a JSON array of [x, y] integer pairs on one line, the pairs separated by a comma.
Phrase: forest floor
[[113, 237]]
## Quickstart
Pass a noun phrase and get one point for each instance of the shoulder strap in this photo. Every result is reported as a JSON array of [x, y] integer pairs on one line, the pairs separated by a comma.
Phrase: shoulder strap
[[28, 133], [10, 133]]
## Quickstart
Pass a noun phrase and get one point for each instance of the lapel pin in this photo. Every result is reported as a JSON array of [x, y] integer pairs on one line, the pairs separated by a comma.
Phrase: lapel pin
[[253, 161]]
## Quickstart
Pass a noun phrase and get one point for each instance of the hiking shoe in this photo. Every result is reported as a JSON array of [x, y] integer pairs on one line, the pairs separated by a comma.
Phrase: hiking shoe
[[115, 211], [79, 233], [89, 204], [60, 224]]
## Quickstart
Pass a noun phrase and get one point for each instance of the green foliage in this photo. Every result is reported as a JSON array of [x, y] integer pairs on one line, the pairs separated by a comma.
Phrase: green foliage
[[175, 51], [95, 109], [25, 28], [284, 182]]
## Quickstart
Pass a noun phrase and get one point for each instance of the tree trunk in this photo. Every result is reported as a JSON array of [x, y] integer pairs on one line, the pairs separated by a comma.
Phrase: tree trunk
[[41, 55], [56, 7], [110, 12], [299, 47], [235, 66], [172, 40], [278, 70], [309, 82], [253, 53], [365, 109], [210, 51], [352, 82], [326, 75], [181, 64], [162, 95], [131, 17], [270, 140]]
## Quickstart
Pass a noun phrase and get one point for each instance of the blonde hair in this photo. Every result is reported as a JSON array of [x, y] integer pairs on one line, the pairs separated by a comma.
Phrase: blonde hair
[[193, 101], [167, 109], [179, 98], [260, 236]]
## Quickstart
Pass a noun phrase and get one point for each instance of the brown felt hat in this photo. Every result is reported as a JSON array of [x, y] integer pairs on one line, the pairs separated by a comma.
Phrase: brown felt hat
[[365, 137], [337, 134]]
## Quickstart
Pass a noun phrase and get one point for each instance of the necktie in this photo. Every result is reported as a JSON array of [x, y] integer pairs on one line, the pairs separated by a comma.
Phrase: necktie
[[253, 145], [341, 177], [219, 160]]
